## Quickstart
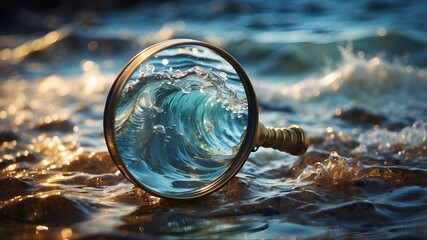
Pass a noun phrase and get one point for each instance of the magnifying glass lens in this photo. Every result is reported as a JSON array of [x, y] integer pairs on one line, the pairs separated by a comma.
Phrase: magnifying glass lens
[[179, 119]]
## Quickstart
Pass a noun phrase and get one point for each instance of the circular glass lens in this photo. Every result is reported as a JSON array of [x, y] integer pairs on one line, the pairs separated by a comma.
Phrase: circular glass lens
[[180, 119]]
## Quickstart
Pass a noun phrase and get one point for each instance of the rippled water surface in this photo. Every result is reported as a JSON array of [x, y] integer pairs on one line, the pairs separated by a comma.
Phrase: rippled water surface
[[352, 74]]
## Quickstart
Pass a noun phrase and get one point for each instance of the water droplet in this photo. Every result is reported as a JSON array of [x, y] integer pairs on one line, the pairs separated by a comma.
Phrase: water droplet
[[165, 61], [334, 157], [150, 68], [186, 88], [178, 74], [159, 129], [198, 70], [201, 72]]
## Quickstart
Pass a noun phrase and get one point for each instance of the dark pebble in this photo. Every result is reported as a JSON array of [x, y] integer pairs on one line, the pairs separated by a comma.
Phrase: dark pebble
[[6, 162], [372, 185], [30, 157], [58, 125], [8, 136], [269, 211], [237, 188], [11, 184], [135, 196], [359, 183], [361, 116], [53, 210]]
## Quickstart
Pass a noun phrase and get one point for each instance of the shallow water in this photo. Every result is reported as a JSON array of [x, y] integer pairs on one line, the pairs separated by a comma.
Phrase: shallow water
[[353, 75]]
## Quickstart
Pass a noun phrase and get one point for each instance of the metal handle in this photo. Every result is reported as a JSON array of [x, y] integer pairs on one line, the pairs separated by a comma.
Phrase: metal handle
[[292, 140]]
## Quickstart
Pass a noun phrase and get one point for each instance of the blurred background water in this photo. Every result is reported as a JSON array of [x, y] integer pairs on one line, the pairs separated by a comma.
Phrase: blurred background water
[[351, 73]]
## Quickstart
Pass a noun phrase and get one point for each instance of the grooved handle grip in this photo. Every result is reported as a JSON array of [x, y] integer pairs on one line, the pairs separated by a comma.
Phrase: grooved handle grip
[[292, 140]]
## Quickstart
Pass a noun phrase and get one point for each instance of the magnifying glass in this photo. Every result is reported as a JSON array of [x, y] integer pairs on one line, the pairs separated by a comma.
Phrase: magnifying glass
[[182, 118]]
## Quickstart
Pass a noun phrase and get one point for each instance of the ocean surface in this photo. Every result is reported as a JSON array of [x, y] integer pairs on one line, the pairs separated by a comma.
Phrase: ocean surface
[[353, 74]]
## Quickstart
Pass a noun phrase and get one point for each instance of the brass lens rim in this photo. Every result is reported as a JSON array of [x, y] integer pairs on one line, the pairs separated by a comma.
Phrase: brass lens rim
[[114, 97]]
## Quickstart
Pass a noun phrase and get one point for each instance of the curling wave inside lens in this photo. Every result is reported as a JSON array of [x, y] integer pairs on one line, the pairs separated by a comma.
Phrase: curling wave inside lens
[[179, 127]]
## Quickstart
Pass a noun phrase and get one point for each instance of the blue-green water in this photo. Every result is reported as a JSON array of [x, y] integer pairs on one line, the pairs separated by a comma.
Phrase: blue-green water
[[352, 74], [180, 119]]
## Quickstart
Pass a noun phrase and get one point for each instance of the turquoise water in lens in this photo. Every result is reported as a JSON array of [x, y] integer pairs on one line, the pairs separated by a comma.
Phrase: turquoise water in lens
[[180, 119], [352, 74]]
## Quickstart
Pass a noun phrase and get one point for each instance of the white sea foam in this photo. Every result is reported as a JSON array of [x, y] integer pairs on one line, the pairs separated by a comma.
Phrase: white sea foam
[[384, 139], [355, 78]]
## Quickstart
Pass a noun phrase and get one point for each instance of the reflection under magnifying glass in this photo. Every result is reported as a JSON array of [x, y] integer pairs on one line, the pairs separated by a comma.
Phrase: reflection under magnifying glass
[[182, 118]]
